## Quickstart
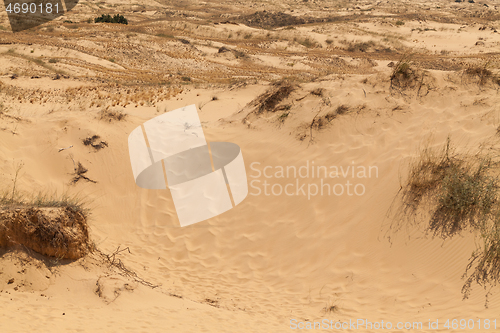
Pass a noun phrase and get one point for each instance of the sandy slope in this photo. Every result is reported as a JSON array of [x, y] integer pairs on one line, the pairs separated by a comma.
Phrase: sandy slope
[[273, 258]]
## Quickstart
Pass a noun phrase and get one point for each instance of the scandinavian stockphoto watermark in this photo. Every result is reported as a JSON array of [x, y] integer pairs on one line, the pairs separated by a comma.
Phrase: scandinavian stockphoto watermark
[[204, 179], [310, 179]]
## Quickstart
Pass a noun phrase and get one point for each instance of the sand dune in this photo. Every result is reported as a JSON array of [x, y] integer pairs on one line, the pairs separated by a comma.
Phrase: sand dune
[[276, 258]]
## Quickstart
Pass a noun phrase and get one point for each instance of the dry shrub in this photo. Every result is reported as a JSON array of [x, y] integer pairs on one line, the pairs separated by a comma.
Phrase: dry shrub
[[319, 123], [342, 109], [79, 173], [360, 46], [482, 74], [94, 142], [404, 75], [271, 98], [112, 115], [457, 192], [484, 263], [60, 232], [318, 92]]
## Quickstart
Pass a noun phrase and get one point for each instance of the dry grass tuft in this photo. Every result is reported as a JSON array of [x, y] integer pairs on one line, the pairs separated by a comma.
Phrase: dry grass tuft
[[79, 173], [318, 92], [482, 74], [457, 193], [321, 122], [271, 98], [112, 115], [360, 46], [404, 75], [55, 227], [459, 190], [94, 142]]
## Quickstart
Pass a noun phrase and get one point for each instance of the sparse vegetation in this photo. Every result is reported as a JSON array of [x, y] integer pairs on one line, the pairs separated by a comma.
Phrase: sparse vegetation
[[403, 74], [79, 173], [458, 193], [60, 232], [106, 18], [283, 117], [111, 115], [318, 92], [342, 109], [95, 142], [163, 35], [330, 308], [360, 46], [320, 122], [270, 99], [239, 54], [482, 74], [41, 200], [423, 30], [46, 223], [307, 42]]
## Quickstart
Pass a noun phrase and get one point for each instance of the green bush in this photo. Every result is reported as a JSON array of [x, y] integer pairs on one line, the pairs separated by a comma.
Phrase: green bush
[[111, 19]]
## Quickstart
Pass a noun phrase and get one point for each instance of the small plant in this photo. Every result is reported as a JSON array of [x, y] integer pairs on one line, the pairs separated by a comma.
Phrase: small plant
[[399, 23], [163, 35], [330, 308], [318, 92], [283, 117], [106, 18], [342, 109], [457, 192], [482, 73], [307, 43], [239, 54], [18, 168], [94, 142], [274, 96], [360, 46], [53, 61], [403, 75], [111, 115], [80, 172]]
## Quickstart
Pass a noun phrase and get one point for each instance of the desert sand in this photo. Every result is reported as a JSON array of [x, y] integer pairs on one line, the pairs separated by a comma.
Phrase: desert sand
[[273, 260]]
